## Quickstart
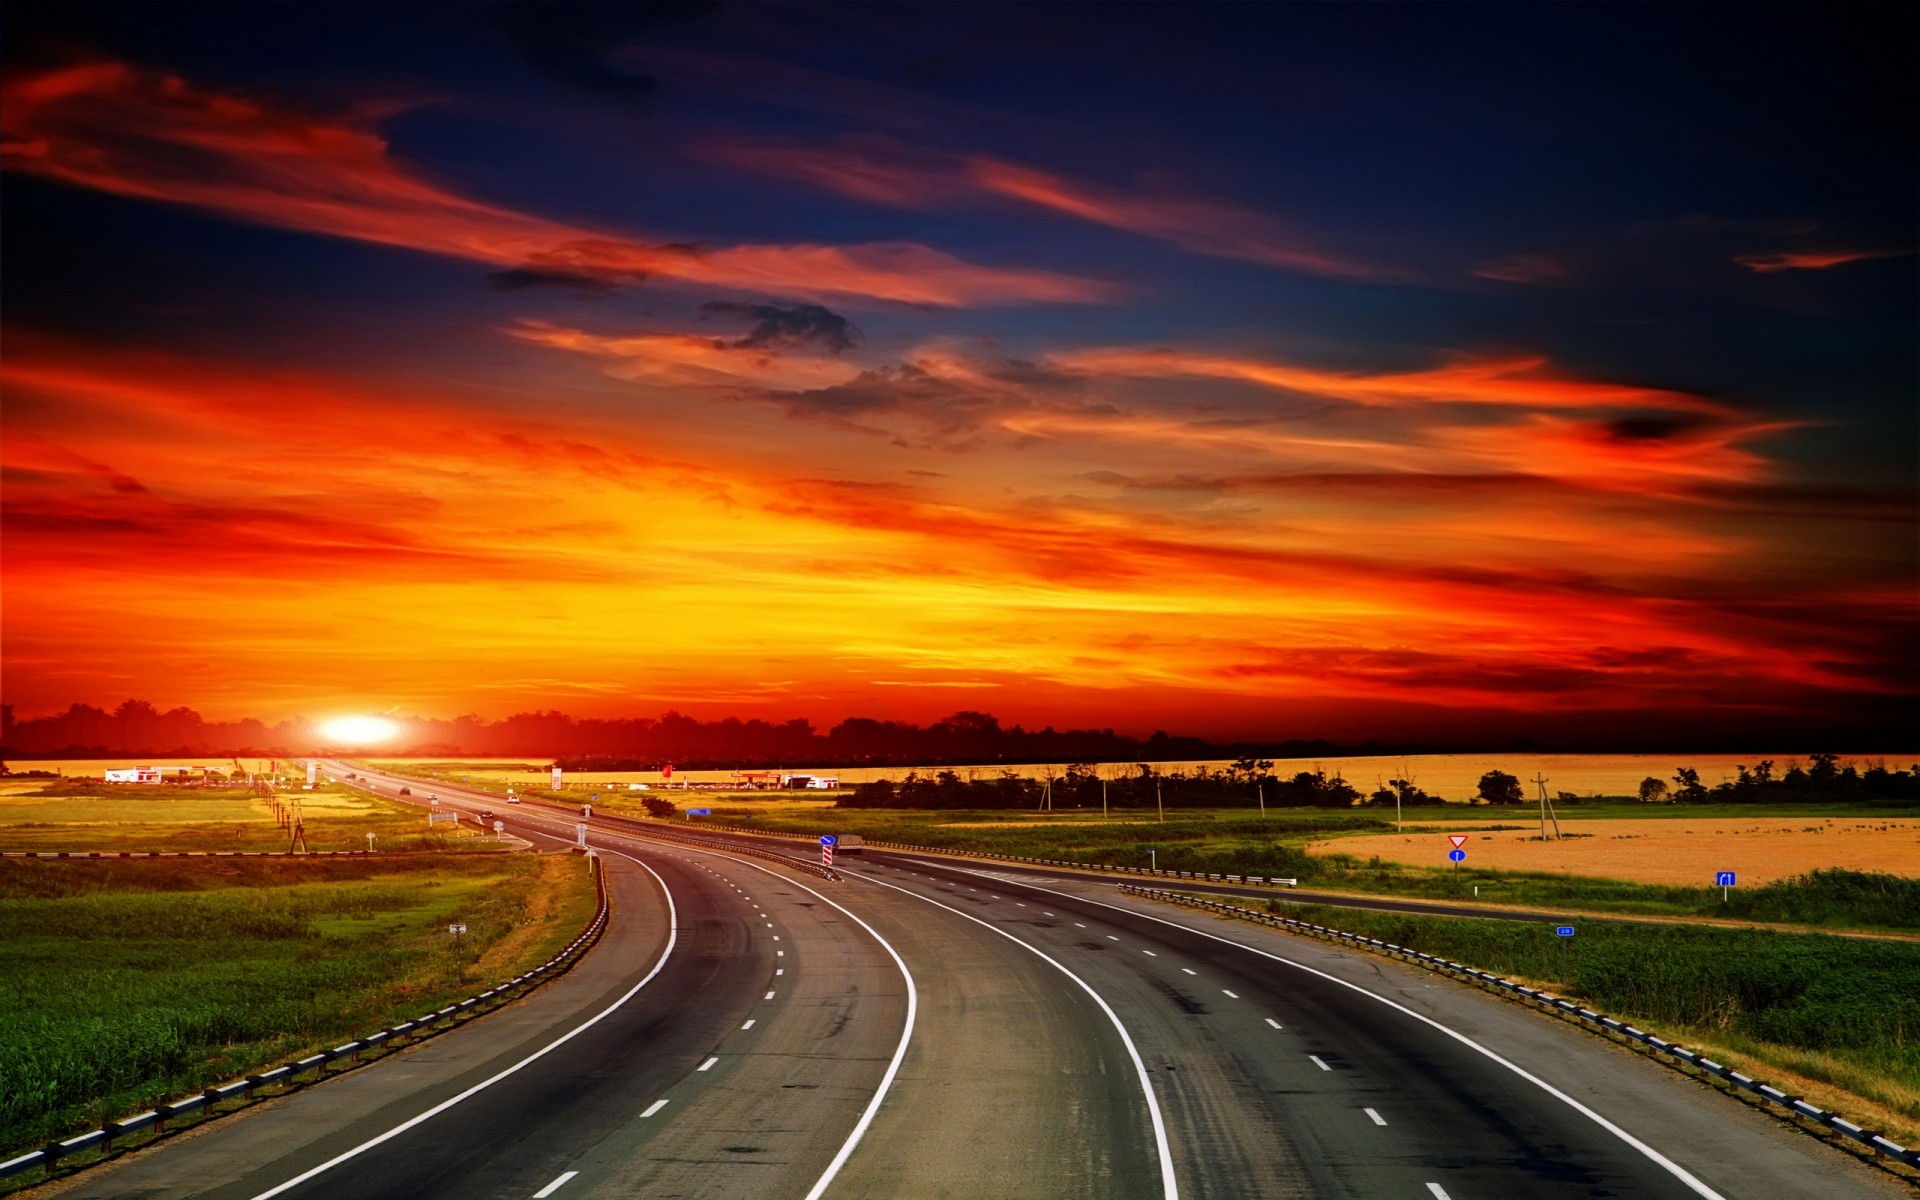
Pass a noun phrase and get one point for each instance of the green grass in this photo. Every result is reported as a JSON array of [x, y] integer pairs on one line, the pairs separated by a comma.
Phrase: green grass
[[129, 982], [1843, 1010], [1230, 841], [74, 815]]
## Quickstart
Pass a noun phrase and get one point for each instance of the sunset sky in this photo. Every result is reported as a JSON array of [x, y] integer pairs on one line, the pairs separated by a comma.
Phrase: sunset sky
[[1348, 371]]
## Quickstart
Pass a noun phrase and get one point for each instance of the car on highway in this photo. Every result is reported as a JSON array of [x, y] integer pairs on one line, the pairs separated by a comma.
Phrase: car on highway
[[486, 814], [513, 799], [433, 797], [406, 791]]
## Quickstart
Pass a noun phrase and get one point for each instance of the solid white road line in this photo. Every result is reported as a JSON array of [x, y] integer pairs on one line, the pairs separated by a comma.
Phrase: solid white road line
[[906, 1033], [1668, 1165], [1377, 1118], [708, 1065], [553, 1187], [653, 1108], [1170, 1189], [673, 935], [1273, 1022], [1319, 1062], [1439, 1193]]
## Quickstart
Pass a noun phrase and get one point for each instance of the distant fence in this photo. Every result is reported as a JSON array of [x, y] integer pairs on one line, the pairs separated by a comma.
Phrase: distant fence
[[156, 1119], [117, 854], [1586, 1016]]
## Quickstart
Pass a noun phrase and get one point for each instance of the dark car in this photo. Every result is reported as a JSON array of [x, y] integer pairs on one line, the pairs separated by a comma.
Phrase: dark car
[[486, 814], [406, 791]]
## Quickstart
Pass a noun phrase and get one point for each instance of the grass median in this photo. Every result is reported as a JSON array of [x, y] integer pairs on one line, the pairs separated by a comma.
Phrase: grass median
[[131, 982], [1834, 1019]]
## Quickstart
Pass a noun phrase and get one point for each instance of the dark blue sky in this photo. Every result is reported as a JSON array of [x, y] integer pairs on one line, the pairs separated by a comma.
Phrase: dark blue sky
[[1636, 280]]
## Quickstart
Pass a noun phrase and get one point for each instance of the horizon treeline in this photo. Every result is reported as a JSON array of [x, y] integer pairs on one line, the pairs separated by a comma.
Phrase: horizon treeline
[[136, 727]]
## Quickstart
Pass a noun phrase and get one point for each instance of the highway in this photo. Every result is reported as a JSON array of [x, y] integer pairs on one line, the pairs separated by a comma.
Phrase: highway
[[932, 1028]]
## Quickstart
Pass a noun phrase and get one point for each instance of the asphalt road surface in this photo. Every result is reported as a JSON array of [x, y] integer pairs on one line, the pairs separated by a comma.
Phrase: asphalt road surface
[[927, 1028]]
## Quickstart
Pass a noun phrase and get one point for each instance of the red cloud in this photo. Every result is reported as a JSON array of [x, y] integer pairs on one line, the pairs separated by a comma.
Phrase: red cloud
[[886, 174], [1512, 382], [116, 128], [1810, 260]]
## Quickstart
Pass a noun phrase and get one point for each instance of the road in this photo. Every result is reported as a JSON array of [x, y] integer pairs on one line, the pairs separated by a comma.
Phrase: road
[[927, 1028]]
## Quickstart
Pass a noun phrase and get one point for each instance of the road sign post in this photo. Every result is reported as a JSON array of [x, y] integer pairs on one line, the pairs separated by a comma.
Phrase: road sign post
[[499, 827], [1565, 934], [1725, 881], [580, 832], [827, 843]]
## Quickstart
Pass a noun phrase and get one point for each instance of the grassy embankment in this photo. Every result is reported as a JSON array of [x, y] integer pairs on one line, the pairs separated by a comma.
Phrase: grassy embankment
[[1835, 1019], [1230, 841], [133, 981], [73, 814]]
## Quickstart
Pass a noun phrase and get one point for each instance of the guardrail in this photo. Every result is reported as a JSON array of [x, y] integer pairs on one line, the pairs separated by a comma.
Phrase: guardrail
[[156, 1118], [1567, 1008], [661, 829], [1104, 868]]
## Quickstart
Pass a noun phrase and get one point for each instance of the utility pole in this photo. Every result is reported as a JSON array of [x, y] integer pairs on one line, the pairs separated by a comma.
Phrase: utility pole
[[1159, 803], [1546, 809], [1103, 797], [1260, 789]]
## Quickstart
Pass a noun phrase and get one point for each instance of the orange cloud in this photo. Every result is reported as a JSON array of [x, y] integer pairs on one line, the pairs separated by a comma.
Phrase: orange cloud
[[171, 531], [116, 128], [882, 173]]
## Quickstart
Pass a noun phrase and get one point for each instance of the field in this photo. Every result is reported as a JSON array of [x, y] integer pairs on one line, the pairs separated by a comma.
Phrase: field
[[1823, 1014], [132, 981], [1676, 848], [96, 767], [73, 814], [1452, 776]]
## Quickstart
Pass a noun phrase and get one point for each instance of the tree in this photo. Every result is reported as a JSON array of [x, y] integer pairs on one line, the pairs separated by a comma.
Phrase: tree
[[658, 808], [1692, 791], [1653, 791], [1498, 787]]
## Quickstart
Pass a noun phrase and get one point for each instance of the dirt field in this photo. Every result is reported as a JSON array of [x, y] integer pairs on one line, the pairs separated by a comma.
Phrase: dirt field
[[1668, 851]]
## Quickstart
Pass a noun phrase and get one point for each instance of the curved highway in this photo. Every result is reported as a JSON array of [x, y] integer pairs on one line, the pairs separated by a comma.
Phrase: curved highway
[[926, 1028]]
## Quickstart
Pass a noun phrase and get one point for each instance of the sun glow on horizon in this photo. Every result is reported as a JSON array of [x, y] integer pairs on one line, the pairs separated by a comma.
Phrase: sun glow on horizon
[[359, 731]]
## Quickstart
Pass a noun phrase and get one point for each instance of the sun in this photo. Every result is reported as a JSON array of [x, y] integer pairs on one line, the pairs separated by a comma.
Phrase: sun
[[359, 731]]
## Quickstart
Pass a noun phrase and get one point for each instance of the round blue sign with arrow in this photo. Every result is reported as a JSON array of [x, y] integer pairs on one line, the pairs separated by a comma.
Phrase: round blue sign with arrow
[[827, 839], [1457, 855]]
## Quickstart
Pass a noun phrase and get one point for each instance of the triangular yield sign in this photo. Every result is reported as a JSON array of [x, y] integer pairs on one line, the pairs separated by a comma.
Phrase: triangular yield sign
[[1458, 839]]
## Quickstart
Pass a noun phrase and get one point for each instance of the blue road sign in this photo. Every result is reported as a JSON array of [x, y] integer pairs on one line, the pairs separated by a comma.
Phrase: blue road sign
[[1564, 931], [699, 812], [1457, 855], [827, 839], [1723, 879]]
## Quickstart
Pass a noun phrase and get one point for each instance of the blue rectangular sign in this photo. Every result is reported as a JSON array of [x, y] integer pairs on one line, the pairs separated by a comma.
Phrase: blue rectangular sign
[[1723, 879], [699, 812], [1564, 931]]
